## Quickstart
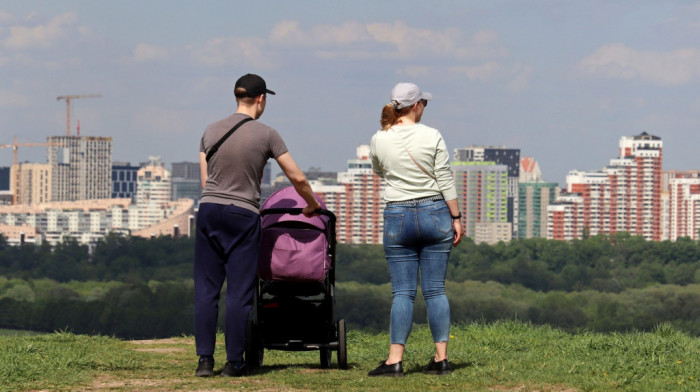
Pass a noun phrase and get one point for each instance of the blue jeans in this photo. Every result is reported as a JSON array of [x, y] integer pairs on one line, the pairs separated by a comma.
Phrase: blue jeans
[[418, 237]]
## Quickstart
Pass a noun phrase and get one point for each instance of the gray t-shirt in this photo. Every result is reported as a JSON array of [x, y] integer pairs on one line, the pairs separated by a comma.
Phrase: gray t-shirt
[[235, 171]]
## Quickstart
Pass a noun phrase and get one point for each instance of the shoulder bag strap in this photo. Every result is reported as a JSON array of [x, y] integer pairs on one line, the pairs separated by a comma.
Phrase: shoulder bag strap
[[413, 159], [221, 141]]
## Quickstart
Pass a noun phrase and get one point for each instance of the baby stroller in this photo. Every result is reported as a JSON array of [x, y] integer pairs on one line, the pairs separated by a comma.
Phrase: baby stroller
[[294, 306]]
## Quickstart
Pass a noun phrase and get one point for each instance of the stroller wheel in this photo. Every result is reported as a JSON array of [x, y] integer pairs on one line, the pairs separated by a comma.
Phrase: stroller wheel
[[325, 355], [342, 345]]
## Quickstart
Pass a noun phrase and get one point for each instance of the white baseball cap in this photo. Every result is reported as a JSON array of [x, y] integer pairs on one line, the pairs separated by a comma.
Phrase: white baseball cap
[[404, 95]]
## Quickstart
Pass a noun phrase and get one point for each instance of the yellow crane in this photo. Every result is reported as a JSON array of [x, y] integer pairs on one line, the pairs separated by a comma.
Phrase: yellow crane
[[68, 98], [15, 161]]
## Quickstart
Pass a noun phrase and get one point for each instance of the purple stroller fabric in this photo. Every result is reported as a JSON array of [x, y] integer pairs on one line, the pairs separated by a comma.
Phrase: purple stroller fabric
[[293, 248]]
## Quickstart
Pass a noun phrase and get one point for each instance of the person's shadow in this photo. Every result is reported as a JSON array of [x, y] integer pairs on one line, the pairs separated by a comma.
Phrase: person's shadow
[[264, 369], [456, 365]]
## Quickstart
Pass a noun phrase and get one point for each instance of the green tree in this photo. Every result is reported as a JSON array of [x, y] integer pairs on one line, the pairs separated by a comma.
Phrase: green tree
[[20, 293]]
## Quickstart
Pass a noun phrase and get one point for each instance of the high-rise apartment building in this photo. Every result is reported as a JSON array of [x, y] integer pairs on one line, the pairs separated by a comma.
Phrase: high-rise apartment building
[[492, 232], [267, 175], [81, 167], [35, 180], [482, 190], [188, 170], [624, 196], [4, 179], [534, 199], [357, 201], [152, 192], [684, 204], [124, 180], [185, 181], [183, 188], [564, 217], [5, 190], [530, 170], [510, 157]]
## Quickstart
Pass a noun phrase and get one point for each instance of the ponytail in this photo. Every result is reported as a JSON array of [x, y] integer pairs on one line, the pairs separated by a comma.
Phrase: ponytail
[[390, 115]]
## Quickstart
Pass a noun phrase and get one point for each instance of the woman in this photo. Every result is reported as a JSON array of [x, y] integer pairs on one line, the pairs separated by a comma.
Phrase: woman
[[421, 222]]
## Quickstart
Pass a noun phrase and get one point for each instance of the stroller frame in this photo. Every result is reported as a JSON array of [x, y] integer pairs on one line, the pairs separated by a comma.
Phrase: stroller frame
[[310, 305]]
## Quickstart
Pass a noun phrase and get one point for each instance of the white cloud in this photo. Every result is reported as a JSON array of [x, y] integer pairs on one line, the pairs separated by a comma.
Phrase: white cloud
[[143, 53], [288, 32], [87, 33], [6, 17], [410, 42], [41, 36], [521, 78], [618, 61], [517, 75], [12, 99], [349, 40], [484, 72], [449, 43], [220, 52], [389, 40]]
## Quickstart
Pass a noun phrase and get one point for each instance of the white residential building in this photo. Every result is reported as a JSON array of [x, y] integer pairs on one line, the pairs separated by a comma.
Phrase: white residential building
[[153, 192], [357, 201]]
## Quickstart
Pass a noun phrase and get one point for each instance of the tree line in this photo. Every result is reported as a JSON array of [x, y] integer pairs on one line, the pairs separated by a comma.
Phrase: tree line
[[165, 309], [602, 263], [141, 288]]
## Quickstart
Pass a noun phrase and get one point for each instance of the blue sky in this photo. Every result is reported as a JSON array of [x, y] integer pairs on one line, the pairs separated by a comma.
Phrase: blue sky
[[561, 80]]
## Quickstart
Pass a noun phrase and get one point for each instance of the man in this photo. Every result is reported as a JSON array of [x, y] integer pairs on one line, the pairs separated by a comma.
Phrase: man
[[228, 221]]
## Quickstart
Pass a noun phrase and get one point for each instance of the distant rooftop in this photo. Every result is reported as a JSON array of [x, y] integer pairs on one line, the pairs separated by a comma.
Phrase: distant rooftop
[[646, 136]]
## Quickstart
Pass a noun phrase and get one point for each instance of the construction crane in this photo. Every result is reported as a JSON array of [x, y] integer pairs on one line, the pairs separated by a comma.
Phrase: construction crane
[[15, 161], [68, 99]]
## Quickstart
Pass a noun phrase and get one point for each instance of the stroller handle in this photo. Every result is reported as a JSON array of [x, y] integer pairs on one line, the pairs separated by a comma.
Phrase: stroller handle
[[297, 211]]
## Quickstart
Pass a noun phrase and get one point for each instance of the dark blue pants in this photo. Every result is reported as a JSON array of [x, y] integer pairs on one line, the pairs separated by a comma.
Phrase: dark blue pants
[[225, 248]]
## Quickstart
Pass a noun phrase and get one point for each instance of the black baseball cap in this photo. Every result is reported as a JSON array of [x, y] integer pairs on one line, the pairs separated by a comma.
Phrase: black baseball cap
[[253, 84]]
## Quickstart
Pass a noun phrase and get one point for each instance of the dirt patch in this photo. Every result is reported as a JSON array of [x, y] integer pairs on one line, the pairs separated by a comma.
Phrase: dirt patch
[[107, 382], [525, 388], [162, 341], [163, 350], [312, 371]]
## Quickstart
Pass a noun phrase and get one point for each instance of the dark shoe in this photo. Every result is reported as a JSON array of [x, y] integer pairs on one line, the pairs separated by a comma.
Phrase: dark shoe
[[437, 368], [395, 370], [205, 367], [230, 370]]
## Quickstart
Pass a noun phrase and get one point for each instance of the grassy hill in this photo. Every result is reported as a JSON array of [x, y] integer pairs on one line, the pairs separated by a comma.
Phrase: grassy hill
[[504, 356]]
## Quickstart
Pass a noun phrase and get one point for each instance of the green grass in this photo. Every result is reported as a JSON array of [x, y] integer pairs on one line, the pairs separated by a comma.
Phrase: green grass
[[12, 332], [504, 356]]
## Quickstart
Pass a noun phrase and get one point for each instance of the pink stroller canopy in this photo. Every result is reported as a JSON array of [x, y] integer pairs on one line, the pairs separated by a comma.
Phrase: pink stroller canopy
[[293, 248], [289, 198]]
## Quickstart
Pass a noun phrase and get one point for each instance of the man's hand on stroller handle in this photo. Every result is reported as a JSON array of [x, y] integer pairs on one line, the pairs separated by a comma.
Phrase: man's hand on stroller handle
[[311, 209]]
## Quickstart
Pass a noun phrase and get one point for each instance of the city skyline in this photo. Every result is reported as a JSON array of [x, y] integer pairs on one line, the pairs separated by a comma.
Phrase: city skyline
[[561, 81], [632, 194]]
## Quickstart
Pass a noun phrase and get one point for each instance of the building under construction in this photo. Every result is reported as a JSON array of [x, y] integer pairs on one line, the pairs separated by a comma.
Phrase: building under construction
[[81, 167]]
